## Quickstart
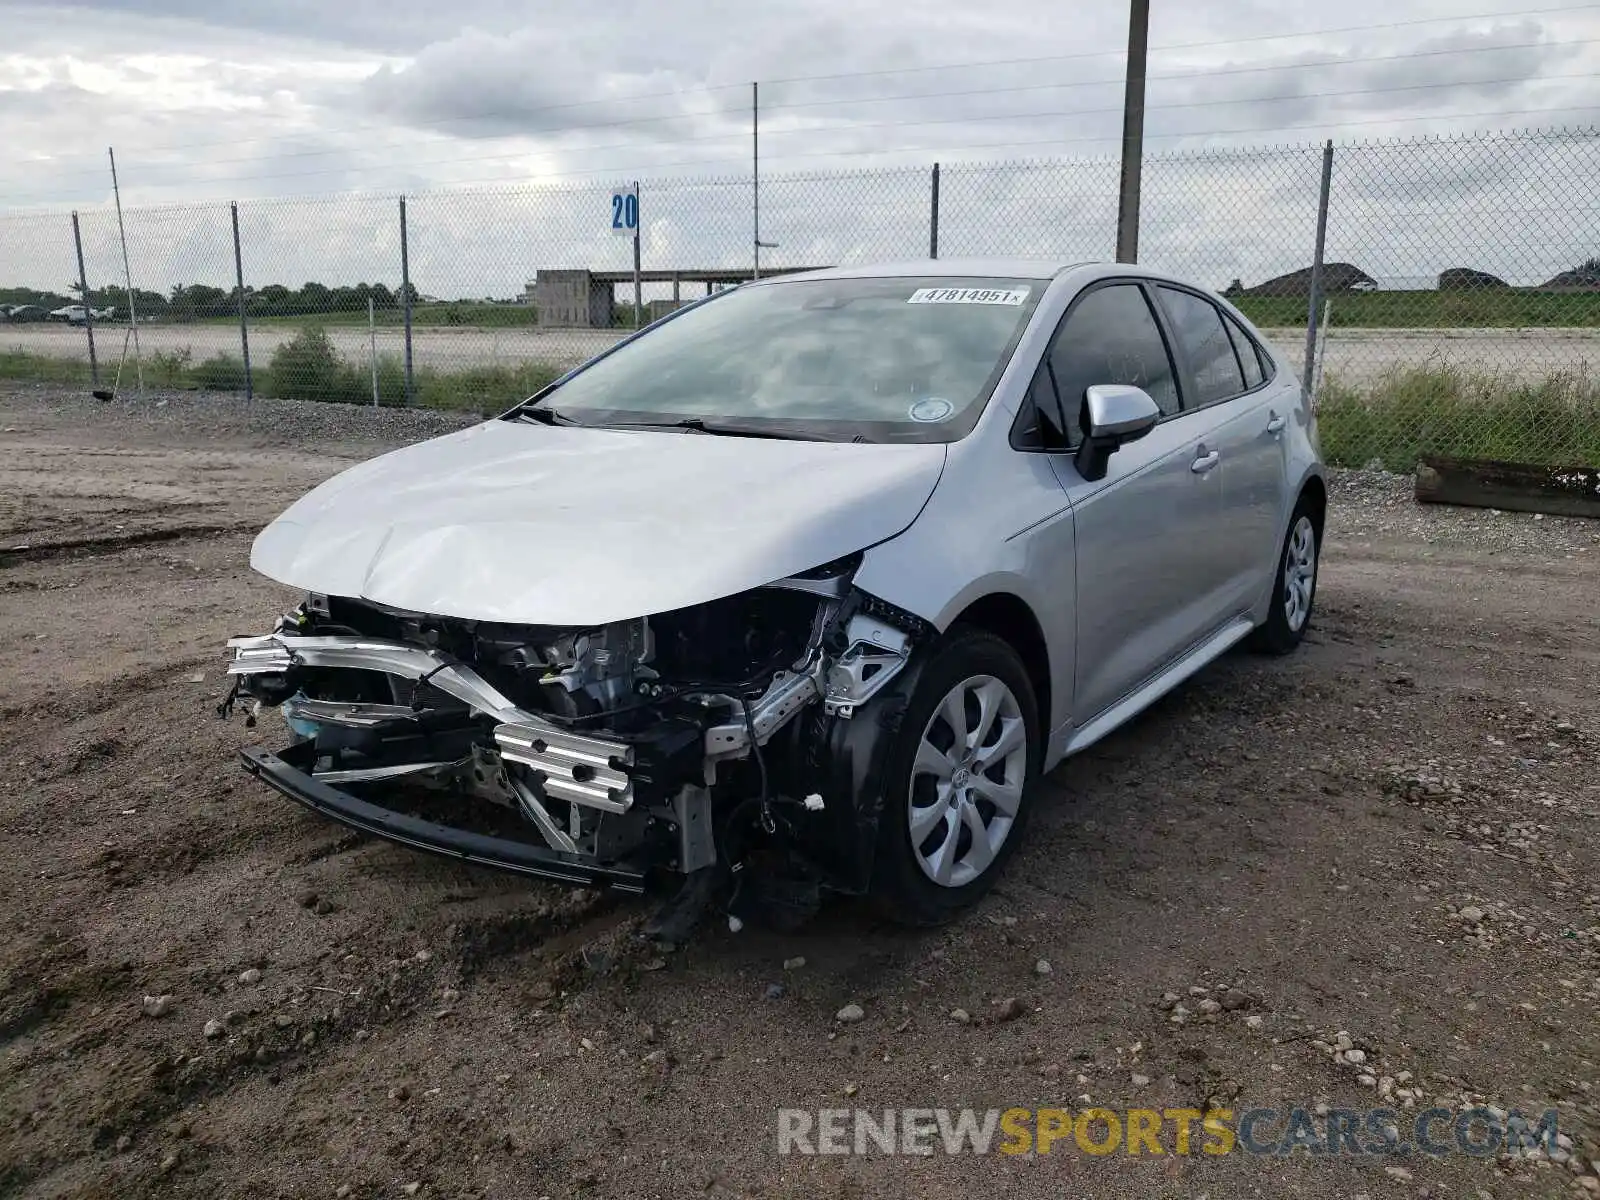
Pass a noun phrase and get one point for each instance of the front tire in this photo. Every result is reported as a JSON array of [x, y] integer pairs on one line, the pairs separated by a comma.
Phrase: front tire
[[1294, 590], [956, 780]]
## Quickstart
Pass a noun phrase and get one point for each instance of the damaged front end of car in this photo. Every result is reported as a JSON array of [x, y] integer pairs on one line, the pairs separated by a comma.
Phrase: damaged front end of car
[[731, 749]]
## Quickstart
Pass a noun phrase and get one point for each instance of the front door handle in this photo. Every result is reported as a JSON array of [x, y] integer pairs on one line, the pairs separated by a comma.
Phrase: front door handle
[[1276, 424], [1205, 462]]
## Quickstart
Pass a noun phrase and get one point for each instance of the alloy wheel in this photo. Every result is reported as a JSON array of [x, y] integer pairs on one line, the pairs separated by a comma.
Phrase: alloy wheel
[[1299, 573], [966, 780]]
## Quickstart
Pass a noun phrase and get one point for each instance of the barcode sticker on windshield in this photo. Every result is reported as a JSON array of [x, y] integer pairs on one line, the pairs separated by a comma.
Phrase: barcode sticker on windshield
[[955, 295]]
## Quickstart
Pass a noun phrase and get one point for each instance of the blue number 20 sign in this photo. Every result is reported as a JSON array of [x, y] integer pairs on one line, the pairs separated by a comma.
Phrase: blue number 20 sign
[[625, 211]]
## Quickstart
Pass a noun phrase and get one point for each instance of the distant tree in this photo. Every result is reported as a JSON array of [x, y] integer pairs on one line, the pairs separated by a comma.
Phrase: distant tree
[[151, 304], [273, 300], [314, 298], [200, 301], [197, 301], [44, 300]]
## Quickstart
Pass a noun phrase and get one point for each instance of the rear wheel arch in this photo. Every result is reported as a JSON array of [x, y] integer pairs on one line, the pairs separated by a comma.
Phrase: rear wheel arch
[[1011, 619]]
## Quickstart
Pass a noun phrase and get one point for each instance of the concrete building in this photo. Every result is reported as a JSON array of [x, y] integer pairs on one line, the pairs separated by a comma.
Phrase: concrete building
[[573, 297], [586, 299]]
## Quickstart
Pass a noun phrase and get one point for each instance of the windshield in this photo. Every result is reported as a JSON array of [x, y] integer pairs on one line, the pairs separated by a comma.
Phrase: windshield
[[889, 359]]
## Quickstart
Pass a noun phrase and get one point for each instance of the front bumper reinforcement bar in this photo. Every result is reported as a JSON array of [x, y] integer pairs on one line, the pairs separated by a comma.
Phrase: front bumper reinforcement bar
[[288, 773]]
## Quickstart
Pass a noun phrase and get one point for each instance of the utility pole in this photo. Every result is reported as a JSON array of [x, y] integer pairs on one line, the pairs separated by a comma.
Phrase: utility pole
[[755, 178], [1133, 133], [755, 170]]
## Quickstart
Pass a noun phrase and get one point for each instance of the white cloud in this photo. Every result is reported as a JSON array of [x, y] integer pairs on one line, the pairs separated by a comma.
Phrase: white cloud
[[211, 102]]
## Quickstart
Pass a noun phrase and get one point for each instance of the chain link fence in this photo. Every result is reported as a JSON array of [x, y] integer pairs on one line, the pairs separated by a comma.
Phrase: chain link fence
[[1457, 307]]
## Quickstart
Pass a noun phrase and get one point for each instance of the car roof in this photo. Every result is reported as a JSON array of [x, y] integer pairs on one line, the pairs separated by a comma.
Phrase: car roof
[[978, 268]]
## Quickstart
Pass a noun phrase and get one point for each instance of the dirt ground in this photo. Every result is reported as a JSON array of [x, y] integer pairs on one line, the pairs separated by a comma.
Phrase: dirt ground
[[1391, 835]]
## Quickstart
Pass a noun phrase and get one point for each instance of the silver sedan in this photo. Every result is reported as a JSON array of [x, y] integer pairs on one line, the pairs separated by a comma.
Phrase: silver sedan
[[798, 589]]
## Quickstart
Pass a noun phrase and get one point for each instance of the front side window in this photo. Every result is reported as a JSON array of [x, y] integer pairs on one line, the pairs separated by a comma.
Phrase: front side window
[[1110, 336], [1197, 324], [886, 359]]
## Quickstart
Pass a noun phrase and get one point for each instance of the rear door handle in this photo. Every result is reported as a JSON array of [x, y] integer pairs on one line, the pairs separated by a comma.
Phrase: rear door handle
[[1205, 462], [1276, 424]]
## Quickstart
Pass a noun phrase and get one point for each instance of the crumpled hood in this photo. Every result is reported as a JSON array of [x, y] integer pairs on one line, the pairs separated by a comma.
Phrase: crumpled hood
[[555, 525]]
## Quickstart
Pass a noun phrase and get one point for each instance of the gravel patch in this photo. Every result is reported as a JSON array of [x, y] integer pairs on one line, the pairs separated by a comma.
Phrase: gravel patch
[[1378, 505], [208, 416]]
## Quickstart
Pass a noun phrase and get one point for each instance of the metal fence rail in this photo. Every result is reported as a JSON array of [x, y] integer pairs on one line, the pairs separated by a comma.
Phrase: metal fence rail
[[1456, 308]]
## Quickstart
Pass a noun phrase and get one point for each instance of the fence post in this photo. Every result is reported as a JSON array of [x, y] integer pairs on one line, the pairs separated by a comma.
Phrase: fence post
[[1315, 290], [933, 216], [372, 348], [638, 293], [405, 292], [88, 304], [244, 324]]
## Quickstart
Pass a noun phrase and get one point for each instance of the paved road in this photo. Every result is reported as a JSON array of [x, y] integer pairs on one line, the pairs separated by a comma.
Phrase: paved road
[[1355, 355]]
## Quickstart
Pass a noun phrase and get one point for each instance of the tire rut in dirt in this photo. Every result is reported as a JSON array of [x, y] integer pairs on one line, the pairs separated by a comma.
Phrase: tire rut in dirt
[[86, 547]]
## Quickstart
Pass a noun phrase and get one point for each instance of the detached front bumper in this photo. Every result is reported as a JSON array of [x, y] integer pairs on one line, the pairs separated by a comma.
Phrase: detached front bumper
[[289, 773]]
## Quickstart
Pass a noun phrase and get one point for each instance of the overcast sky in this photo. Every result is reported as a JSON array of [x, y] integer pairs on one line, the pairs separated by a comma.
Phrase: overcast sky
[[206, 100]]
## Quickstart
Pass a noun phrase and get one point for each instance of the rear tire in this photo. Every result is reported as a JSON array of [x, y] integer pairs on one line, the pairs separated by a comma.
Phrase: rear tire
[[1294, 588], [955, 802]]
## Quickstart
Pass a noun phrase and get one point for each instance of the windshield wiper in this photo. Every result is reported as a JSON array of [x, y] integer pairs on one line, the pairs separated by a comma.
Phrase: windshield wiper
[[701, 425], [545, 415]]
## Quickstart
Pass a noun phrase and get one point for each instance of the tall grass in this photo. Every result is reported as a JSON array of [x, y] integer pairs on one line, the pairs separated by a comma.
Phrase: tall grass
[[1394, 420], [1486, 308], [42, 368], [307, 367], [220, 373], [1389, 422]]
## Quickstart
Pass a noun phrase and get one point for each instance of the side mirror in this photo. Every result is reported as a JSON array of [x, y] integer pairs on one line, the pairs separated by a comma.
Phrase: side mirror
[[1115, 414]]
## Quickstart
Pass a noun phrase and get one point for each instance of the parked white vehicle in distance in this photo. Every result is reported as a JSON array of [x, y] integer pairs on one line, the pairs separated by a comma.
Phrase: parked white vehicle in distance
[[75, 314]]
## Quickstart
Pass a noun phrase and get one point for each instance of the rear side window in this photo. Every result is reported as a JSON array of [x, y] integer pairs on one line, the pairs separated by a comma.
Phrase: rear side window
[[1111, 336], [1198, 326], [1246, 350]]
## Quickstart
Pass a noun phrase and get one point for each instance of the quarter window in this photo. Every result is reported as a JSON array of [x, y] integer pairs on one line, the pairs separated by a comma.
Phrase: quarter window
[[1111, 336], [1248, 355], [1198, 326]]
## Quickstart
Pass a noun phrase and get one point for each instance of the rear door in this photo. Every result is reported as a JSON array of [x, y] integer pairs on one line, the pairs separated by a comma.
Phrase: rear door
[[1232, 379], [1146, 581]]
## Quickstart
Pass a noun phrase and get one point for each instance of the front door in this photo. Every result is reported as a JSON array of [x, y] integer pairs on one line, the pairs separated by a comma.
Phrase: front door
[[1148, 582]]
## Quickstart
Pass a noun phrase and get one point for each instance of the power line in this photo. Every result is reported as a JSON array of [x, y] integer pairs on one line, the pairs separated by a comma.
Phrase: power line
[[1266, 37], [1206, 73], [1077, 56], [1087, 112]]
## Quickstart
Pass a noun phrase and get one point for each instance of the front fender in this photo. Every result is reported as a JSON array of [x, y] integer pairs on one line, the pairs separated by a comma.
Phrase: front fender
[[845, 762]]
